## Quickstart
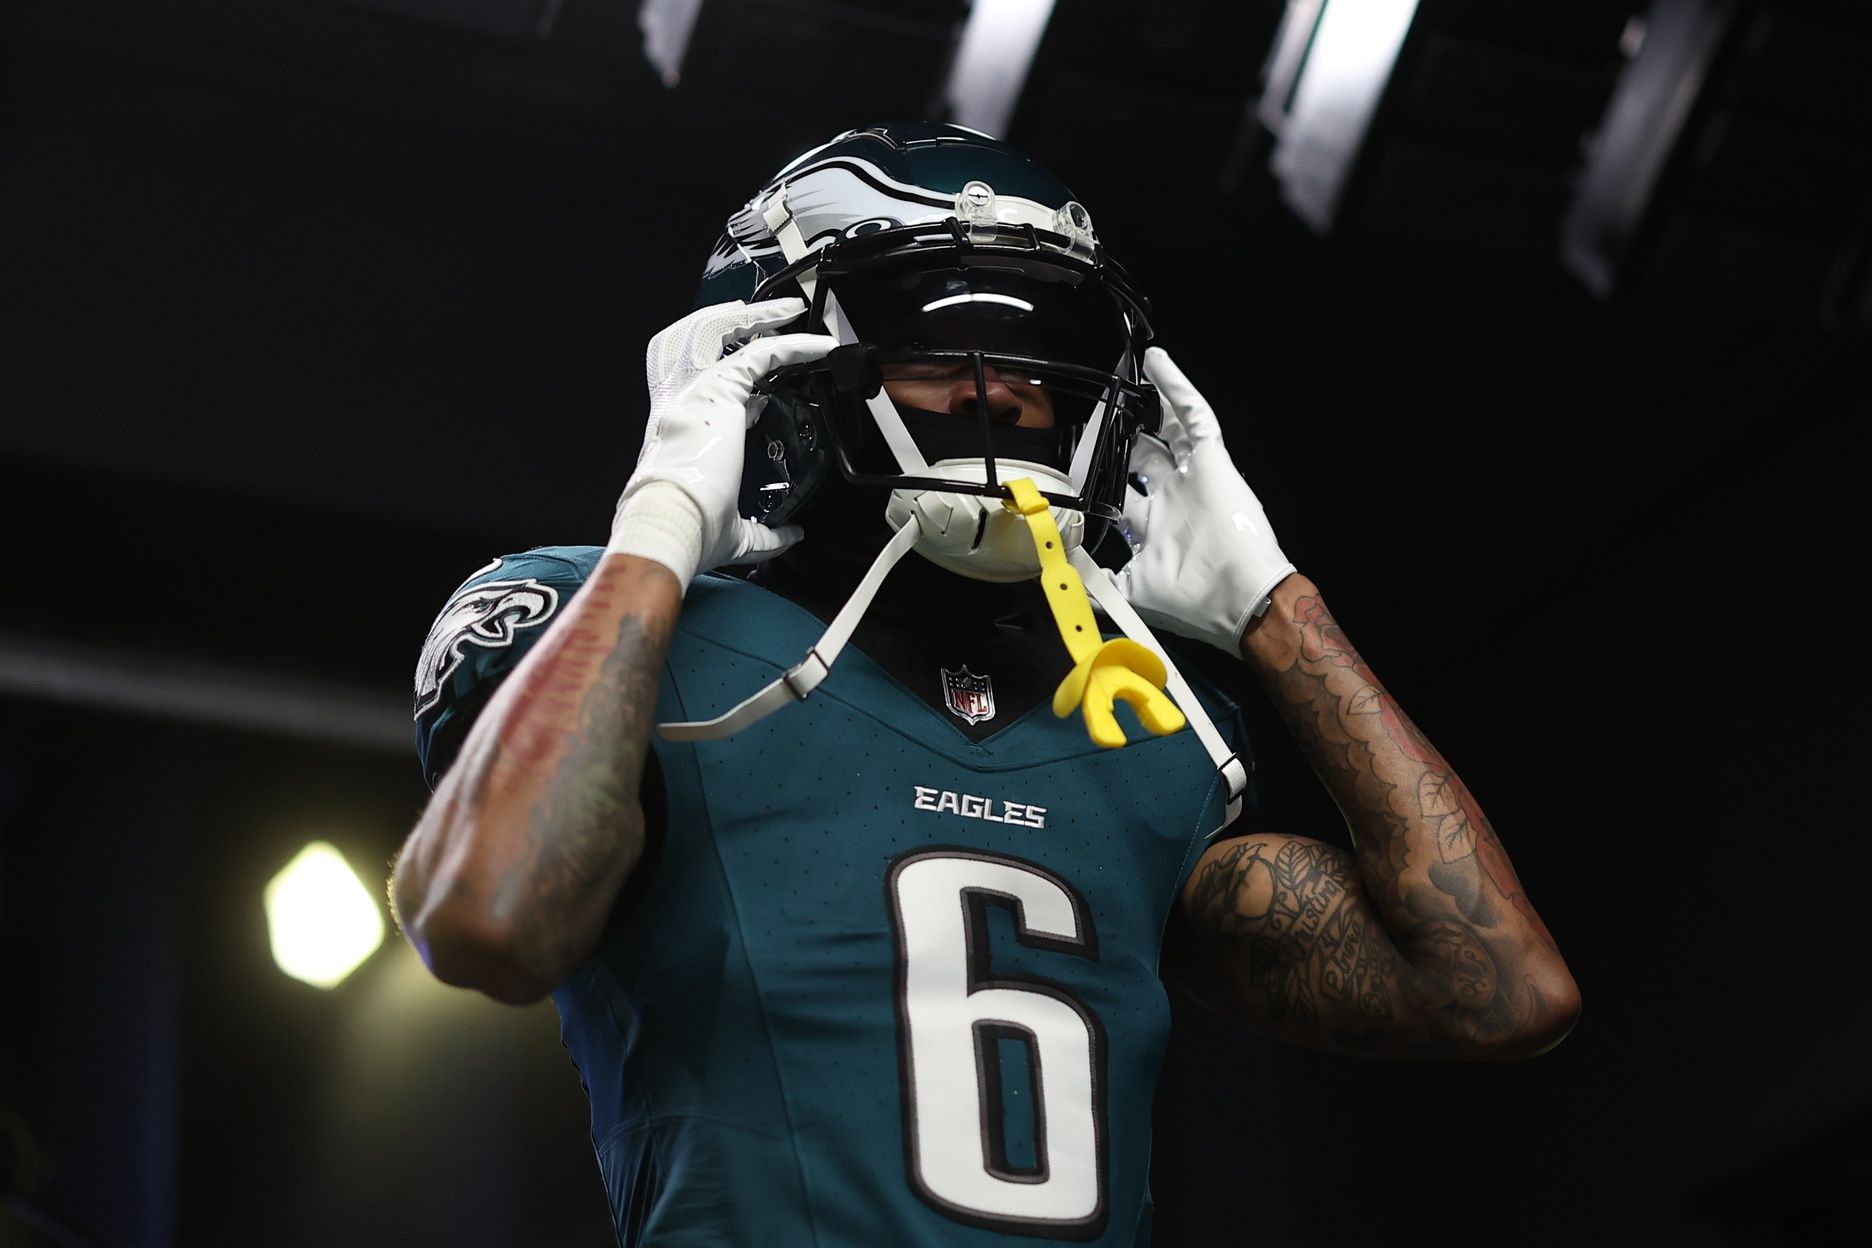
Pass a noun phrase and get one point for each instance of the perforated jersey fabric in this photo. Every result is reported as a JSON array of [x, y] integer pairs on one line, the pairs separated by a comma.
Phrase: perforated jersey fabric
[[884, 984]]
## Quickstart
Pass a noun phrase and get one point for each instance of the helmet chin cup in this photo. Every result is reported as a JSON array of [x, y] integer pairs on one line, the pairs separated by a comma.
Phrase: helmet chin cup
[[973, 535]]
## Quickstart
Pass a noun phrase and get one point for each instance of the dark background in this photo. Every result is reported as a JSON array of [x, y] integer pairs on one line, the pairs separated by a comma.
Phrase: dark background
[[309, 308]]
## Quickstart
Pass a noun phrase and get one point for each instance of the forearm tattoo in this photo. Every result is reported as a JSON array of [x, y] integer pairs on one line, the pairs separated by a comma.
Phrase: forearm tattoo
[[1428, 922], [1392, 784], [589, 737]]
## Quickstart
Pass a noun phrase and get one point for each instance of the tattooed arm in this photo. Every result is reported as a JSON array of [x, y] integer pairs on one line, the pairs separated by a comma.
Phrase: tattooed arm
[[1421, 941], [507, 880]]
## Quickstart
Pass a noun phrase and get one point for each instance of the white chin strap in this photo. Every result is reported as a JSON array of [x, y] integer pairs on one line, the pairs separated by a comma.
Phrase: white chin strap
[[786, 232], [973, 535], [1111, 600], [804, 677]]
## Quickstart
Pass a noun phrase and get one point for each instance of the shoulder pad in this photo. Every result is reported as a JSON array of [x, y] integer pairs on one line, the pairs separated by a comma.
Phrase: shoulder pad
[[485, 629]]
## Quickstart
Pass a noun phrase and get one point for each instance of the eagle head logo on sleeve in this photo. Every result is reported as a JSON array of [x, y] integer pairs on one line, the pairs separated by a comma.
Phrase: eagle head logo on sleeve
[[489, 615]]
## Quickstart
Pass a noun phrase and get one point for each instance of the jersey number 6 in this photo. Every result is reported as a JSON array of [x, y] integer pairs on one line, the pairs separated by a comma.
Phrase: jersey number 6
[[952, 1020]]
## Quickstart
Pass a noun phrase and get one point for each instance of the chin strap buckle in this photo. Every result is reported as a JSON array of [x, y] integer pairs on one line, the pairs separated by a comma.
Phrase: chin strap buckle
[[802, 678], [806, 675]]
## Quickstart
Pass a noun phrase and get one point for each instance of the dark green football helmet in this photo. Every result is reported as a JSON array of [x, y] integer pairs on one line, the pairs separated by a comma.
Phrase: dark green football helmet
[[937, 246]]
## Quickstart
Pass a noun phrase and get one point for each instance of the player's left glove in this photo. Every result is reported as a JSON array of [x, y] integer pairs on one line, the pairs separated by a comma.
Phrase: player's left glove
[[1204, 557]]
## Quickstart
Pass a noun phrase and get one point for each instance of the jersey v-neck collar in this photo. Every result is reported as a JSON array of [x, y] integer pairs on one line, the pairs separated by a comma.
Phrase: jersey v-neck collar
[[958, 648]]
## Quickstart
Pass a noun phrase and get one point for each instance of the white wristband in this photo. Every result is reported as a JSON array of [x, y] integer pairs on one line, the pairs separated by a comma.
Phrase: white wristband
[[658, 520]]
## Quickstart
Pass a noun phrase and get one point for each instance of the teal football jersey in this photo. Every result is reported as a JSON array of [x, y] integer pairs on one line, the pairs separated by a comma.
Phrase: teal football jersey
[[884, 985]]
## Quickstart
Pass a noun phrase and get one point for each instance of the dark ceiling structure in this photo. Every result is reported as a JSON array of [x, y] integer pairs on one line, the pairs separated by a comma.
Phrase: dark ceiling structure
[[1541, 330]]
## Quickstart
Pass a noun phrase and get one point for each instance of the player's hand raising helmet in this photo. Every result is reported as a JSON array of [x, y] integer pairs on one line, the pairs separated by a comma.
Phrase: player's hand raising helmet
[[679, 506]]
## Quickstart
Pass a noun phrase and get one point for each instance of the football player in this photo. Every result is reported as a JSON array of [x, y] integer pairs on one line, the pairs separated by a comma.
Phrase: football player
[[855, 897]]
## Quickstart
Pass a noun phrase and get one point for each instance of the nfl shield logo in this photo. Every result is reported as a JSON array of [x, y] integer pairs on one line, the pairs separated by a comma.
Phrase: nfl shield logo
[[970, 696]]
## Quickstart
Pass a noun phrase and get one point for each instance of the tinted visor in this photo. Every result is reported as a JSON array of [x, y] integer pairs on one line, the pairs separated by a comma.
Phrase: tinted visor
[[1012, 306]]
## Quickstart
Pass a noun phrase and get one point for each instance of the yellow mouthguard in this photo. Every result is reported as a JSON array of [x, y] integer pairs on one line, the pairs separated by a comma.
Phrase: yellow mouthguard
[[1104, 672]]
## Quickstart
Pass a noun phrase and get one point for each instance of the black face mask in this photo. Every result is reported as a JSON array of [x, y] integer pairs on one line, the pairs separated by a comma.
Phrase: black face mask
[[942, 435]]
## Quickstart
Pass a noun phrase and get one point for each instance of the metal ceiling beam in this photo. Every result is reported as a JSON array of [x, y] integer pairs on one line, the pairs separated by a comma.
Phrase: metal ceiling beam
[[141, 684]]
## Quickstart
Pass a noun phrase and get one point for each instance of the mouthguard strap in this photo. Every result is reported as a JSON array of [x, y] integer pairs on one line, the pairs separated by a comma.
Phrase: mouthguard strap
[[1104, 672], [1065, 592]]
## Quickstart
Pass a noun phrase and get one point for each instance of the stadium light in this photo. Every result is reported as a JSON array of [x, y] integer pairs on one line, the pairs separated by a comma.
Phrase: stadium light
[[1330, 65], [1671, 51], [991, 62], [667, 26], [321, 920]]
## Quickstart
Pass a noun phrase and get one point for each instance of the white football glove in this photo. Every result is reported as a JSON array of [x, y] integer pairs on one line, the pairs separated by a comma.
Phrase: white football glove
[[681, 507], [1204, 558]]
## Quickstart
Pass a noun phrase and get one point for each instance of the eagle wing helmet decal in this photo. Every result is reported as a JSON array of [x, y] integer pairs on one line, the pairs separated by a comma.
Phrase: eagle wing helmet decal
[[489, 615]]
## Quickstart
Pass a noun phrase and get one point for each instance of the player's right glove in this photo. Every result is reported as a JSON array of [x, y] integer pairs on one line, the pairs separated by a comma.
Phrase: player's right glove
[[1205, 559], [681, 505]]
